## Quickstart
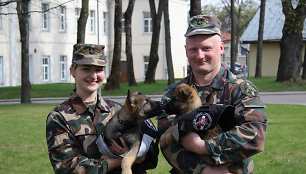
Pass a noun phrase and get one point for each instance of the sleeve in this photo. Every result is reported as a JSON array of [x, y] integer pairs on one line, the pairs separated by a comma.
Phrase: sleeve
[[65, 153], [248, 136], [151, 149]]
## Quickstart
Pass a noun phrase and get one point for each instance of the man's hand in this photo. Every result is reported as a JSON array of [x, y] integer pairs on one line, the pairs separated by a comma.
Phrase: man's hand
[[192, 142], [119, 150]]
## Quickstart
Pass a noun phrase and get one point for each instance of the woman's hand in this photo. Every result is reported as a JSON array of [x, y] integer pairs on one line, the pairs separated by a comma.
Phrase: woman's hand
[[221, 169], [119, 150]]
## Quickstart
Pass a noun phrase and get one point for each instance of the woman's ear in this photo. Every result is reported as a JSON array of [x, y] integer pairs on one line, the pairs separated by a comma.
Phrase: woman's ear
[[72, 70]]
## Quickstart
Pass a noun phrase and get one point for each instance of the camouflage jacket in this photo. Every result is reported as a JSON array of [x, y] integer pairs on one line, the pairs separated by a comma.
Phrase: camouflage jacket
[[248, 136], [71, 132]]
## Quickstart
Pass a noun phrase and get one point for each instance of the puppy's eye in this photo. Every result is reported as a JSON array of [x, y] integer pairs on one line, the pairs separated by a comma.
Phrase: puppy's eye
[[174, 98]]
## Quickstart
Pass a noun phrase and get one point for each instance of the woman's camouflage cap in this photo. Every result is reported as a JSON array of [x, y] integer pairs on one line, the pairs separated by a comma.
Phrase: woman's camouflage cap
[[89, 54], [203, 24]]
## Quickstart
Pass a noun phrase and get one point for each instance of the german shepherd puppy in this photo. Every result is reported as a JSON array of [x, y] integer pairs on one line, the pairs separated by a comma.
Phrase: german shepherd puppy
[[126, 124], [184, 100]]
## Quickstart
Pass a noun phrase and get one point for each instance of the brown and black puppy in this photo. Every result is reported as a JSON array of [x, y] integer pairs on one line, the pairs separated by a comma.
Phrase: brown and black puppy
[[126, 123], [184, 100]]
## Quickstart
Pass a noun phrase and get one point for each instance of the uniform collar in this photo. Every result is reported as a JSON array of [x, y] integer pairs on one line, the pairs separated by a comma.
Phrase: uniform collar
[[217, 83], [80, 107]]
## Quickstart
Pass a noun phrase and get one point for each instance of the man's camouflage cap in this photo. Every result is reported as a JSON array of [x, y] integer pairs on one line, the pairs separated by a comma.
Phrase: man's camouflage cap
[[203, 24], [88, 54]]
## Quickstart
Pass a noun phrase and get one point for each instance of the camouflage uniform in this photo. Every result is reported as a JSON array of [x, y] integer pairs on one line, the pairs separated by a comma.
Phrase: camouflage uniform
[[236, 145], [72, 129]]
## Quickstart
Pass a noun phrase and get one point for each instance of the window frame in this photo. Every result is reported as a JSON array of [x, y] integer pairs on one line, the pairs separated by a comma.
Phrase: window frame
[[105, 22], [45, 17], [145, 64], [92, 21], [62, 19], [46, 69], [63, 68], [148, 26]]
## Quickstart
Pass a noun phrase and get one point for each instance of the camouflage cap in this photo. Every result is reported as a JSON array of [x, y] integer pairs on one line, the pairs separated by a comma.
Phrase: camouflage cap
[[203, 24], [88, 54]]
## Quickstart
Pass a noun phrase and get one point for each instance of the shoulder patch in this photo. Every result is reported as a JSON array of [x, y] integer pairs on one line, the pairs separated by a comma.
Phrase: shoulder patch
[[249, 89]]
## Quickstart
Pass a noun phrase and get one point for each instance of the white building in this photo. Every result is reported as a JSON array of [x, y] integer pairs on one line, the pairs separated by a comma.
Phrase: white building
[[53, 33]]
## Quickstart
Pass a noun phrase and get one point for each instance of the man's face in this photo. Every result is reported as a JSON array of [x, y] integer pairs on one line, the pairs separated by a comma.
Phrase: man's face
[[204, 53]]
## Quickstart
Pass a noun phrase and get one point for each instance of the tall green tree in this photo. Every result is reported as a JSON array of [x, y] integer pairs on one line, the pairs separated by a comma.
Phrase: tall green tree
[[82, 22], [128, 43], [260, 39], [168, 43], [195, 8], [291, 44], [113, 81], [154, 58], [23, 19]]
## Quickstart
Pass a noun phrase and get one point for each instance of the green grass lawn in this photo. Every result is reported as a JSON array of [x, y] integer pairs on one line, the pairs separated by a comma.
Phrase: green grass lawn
[[64, 89], [24, 150]]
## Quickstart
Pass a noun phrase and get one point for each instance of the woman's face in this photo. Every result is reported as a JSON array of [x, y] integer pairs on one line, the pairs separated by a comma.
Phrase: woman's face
[[88, 79]]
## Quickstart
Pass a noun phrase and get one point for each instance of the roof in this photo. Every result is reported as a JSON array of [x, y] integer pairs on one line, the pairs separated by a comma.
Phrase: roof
[[274, 22]]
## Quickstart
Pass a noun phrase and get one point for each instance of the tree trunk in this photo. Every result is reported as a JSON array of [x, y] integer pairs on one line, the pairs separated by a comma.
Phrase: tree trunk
[[82, 22], [195, 7], [260, 39], [291, 44], [304, 65], [128, 43], [233, 58], [23, 18], [168, 43], [113, 81], [154, 58]]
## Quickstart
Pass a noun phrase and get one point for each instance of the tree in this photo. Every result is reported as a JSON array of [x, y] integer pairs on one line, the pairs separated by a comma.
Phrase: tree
[[233, 55], [195, 7], [128, 43], [113, 81], [291, 44], [82, 22], [154, 58], [168, 43], [260, 39], [23, 19], [304, 65]]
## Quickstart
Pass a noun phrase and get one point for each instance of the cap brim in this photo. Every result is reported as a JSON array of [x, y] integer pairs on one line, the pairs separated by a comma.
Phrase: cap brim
[[200, 31]]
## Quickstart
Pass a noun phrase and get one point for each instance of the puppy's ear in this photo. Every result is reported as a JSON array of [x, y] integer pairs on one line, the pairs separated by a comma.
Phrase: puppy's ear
[[186, 93], [130, 101]]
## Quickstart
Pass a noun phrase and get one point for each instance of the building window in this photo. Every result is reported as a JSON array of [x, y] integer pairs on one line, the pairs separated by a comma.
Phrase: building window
[[45, 17], [147, 23], [63, 67], [92, 21], [145, 64], [46, 68], [1, 70], [62, 19], [77, 13], [123, 25], [105, 22]]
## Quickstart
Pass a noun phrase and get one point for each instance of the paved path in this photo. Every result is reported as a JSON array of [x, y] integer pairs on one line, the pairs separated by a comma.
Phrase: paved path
[[284, 97]]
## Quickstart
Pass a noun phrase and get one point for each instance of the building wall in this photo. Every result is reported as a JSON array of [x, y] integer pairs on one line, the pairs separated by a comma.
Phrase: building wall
[[270, 59], [55, 43]]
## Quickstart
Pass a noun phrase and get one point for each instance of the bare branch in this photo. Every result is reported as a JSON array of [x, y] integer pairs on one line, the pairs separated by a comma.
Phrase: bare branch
[[36, 11], [7, 2]]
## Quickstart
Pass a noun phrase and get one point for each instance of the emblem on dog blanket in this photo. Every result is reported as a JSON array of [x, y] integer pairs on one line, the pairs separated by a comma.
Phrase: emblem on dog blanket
[[202, 121]]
